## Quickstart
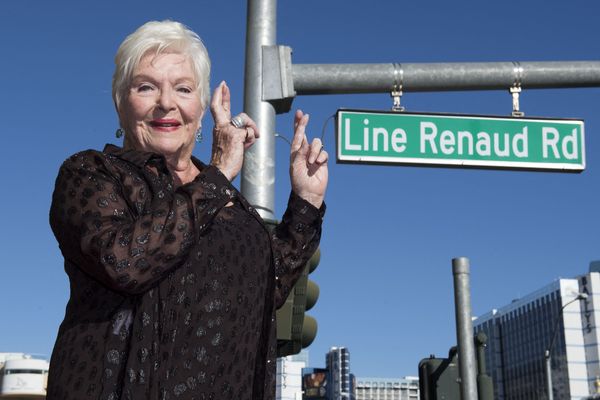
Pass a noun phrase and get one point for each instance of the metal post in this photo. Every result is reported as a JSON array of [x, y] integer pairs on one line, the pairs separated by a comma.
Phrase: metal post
[[464, 329], [548, 352], [433, 77], [258, 171], [548, 362]]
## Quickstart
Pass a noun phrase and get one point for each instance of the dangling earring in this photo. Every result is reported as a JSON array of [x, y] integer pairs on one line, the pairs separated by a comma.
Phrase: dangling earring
[[119, 133], [199, 135]]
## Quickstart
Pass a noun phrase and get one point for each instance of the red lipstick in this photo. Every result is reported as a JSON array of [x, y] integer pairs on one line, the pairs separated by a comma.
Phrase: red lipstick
[[165, 124]]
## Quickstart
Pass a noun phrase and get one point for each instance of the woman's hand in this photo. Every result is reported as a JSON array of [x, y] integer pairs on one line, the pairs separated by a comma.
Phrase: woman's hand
[[229, 142], [308, 164]]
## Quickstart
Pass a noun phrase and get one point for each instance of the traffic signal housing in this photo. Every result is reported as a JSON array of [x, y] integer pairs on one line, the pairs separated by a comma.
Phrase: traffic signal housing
[[439, 377], [295, 329]]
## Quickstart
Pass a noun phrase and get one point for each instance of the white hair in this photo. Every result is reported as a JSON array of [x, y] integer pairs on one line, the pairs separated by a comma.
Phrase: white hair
[[160, 37]]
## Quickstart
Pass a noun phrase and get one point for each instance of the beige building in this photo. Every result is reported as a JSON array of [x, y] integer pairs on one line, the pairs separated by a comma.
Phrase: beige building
[[387, 389]]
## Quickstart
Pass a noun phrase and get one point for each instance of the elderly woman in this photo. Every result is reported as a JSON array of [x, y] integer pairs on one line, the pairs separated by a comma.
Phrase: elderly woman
[[175, 278]]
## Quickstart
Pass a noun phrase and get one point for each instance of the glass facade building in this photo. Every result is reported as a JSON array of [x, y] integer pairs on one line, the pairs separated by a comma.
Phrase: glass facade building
[[520, 332]]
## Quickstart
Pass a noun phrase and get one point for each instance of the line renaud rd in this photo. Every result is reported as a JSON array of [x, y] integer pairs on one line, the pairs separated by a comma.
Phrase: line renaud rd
[[460, 140]]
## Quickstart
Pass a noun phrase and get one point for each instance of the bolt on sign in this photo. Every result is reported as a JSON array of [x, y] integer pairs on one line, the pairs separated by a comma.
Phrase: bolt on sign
[[468, 141]]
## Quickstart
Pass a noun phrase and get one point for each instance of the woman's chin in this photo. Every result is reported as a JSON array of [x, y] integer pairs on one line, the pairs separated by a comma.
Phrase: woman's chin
[[170, 146]]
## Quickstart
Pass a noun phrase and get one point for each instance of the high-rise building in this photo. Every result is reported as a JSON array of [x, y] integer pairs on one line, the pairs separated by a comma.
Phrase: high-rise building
[[340, 380], [520, 333], [289, 376], [406, 388]]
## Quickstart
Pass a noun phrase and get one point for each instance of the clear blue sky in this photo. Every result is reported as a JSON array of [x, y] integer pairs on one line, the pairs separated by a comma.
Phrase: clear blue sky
[[390, 232]]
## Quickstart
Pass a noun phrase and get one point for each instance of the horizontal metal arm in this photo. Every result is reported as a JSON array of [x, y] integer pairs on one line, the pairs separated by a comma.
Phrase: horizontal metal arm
[[430, 77]]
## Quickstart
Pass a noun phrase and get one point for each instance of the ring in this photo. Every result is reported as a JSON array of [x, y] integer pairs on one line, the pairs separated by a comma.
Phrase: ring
[[237, 121]]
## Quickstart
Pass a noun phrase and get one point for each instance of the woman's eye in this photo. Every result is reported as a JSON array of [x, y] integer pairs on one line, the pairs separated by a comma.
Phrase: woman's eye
[[184, 89], [144, 88]]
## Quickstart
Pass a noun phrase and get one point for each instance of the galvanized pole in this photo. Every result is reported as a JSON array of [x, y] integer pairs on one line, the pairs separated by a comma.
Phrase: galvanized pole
[[548, 365], [258, 171], [434, 77], [464, 329]]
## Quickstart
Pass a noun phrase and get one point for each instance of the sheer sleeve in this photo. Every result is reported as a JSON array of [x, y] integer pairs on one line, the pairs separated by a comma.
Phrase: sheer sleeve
[[295, 240], [121, 230]]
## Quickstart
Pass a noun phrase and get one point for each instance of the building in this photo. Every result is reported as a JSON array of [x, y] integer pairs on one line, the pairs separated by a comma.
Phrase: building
[[315, 384], [335, 382], [22, 377], [406, 388], [340, 380], [519, 334], [289, 376]]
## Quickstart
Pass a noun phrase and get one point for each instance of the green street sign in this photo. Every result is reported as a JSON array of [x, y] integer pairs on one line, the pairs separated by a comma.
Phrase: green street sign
[[460, 140]]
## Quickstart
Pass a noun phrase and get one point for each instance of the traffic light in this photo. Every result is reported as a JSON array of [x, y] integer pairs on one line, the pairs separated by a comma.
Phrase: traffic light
[[295, 329], [485, 385], [438, 377]]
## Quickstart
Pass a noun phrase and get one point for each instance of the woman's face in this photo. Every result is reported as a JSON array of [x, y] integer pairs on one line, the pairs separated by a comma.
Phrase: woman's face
[[162, 111]]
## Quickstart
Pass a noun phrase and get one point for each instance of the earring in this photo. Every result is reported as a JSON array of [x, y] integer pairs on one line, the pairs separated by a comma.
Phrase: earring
[[119, 133], [199, 135]]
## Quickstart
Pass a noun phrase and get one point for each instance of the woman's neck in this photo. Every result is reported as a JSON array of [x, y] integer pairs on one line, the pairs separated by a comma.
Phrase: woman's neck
[[183, 171], [181, 166]]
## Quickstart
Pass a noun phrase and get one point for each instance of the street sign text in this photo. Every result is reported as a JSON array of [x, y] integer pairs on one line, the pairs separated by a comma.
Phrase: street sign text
[[460, 140]]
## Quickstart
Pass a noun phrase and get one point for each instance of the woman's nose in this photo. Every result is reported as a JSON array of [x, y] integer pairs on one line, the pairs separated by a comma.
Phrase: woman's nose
[[165, 99]]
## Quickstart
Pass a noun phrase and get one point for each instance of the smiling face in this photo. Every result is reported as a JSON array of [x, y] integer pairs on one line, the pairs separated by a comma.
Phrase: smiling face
[[162, 110]]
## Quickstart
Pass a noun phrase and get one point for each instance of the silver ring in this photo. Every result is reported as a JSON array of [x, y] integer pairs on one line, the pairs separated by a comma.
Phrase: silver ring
[[238, 122]]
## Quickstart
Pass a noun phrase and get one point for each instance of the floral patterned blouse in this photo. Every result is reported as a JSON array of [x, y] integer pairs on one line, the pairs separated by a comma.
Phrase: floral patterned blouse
[[173, 289]]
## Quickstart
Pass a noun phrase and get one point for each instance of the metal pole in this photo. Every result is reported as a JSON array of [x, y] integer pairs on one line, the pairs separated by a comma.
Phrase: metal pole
[[464, 329], [430, 77], [548, 362], [258, 171], [548, 352]]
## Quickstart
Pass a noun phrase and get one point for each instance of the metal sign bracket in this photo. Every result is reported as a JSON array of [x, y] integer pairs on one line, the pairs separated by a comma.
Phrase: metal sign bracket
[[515, 90], [396, 93]]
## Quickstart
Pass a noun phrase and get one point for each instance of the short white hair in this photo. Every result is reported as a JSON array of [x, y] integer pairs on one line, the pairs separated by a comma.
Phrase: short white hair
[[160, 37]]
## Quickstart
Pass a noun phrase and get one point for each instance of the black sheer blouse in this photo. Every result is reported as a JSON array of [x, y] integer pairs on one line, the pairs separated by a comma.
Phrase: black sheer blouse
[[173, 293]]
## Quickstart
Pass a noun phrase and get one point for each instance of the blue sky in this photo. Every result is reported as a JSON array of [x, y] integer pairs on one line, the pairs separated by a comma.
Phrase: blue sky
[[390, 232]]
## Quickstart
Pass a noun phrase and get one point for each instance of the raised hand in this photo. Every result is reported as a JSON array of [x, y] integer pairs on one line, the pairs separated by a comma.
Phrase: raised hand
[[308, 164], [229, 142]]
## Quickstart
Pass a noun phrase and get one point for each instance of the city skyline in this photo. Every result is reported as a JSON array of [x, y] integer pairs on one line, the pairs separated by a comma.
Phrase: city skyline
[[390, 233]]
